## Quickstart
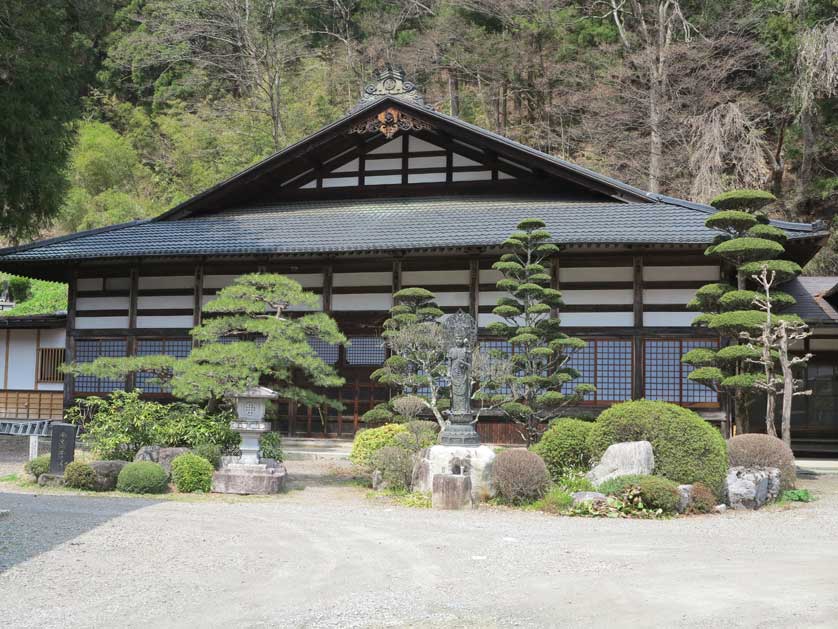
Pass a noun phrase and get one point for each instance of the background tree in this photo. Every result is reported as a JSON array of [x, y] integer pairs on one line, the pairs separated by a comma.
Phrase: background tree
[[748, 245], [247, 338], [541, 382]]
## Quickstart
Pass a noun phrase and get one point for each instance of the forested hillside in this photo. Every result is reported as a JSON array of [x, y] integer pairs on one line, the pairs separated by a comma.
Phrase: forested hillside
[[152, 101]]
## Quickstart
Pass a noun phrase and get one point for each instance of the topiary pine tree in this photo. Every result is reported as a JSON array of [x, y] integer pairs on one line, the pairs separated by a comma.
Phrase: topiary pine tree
[[247, 338], [540, 384], [749, 244]]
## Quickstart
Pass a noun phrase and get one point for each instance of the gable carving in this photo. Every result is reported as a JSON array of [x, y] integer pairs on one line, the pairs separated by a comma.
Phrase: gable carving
[[389, 122]]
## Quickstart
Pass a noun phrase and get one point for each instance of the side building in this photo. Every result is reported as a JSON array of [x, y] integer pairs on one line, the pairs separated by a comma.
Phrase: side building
[[394, 195]]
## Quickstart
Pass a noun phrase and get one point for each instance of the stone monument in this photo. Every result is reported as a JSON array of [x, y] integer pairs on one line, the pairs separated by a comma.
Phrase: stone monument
[[62, 447], [458, 472], [248, 474]]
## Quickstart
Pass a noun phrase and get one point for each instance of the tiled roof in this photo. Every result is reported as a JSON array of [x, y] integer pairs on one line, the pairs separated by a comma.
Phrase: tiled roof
[[380, 225], [809, 293]]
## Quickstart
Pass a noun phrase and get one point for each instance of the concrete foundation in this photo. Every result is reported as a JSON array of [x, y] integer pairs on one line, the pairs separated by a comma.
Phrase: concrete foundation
[[244, 478], [475, 463]]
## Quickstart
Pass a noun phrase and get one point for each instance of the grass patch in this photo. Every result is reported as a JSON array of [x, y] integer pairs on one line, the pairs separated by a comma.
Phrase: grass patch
[[796, 495], [415, 500], [9, 478]]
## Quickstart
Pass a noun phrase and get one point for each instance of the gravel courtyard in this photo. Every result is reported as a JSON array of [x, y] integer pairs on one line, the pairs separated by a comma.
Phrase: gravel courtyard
[[325, 555]]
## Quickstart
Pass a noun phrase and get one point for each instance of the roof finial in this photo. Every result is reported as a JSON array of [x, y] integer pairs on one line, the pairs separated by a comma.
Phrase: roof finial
[[390, 81]]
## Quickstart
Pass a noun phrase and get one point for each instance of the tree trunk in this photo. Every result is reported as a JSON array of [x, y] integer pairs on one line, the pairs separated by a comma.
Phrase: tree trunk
[[788, 387], [741, 414], [807, 157], [453, 93], [655, 140]]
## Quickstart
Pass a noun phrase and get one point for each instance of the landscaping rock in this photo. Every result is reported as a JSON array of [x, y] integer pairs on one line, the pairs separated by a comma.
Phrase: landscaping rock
[[5, 513], [148, 453], [748, 487], [165, 456], [51, 480], [685, 497], [720, 508], [451, 491], [241, 478], [478, 462], [377, 481], [622, 459], [587, 496], [106, 474]]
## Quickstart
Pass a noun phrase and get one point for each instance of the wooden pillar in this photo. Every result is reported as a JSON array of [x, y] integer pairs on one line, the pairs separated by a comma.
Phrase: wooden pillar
[[198, 295], [405, 156], [555, 268], [638, 355], [131, 342], [474, 288], [396, 284], [328, 280], [70, 341], [37, 356], [6, 361]]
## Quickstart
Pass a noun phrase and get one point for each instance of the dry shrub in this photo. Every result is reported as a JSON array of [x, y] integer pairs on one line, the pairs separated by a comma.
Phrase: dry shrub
[[520, 476], [757, 450], [702, 499]]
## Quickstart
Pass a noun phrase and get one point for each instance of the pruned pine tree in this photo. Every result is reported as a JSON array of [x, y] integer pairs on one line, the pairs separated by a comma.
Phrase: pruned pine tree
[[747, 243], [247, 338], [773, 342], [540, 384]]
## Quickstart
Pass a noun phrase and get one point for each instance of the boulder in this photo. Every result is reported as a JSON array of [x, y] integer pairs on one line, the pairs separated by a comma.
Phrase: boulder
[[621, 459], [587, 496], [751, 487], [243, 478], [106, 474], [165, 456], [474, 462], [148, 453], [51, 480], [451, 491], [378, 481], [685, 497]]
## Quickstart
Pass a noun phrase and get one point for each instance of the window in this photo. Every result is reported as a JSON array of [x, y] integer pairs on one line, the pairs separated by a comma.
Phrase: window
[[179, 348], [88, 350], [606, 364], [365, 350], [327, 352], [666, 376], [50, 360]]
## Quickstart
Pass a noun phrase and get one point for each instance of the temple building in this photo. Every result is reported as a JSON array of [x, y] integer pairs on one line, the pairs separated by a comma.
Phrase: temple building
[[392, 195]]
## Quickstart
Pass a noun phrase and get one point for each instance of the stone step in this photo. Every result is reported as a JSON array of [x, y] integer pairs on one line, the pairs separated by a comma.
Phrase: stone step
[[301, 449]]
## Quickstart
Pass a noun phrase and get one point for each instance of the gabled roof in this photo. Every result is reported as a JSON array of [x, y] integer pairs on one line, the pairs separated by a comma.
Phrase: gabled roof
[[812, 294]]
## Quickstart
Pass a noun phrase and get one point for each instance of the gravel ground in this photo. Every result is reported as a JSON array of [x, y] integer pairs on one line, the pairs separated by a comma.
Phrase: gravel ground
[[327, 556]]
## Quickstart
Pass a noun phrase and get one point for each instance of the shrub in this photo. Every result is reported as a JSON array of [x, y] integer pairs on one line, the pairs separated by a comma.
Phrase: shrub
[[687, 449], [37, 466], [655, 491], [209, 451], [755, 450], [564, 446], [520, 476], [702, 500], [574, 480], [79, 475], [395, 465], [367, 442], [142, 477], [420, 434], [555, 501], [191, 472], [117, 426], [797, 495], [270, 446]]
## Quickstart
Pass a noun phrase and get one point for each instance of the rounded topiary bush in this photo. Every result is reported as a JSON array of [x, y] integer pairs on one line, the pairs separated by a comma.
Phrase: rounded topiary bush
[[395, 466], [756, 450], [142, 477], [520, 476], [210, 451], [687, 448], [79, 475], [564, 446], [37, 466], [367, 442], [191, 473], [655, 491]]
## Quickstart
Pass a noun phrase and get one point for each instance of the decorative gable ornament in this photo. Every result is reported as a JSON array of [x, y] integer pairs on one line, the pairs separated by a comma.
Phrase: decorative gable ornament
[[388, 122], [391, 82]]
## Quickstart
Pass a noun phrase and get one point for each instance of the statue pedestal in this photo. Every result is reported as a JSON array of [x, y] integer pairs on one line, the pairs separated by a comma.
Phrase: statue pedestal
[[473, 462], [460, 432], [267, 477]]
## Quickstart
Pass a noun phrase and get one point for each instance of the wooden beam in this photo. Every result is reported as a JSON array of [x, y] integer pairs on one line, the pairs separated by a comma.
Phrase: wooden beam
[[70, 341], [6, 361], [555, 268], [396, 284], [328, 280], [638, 291], [474, 287], [37, 356], [405, 158], [198, 294], [638, 350]]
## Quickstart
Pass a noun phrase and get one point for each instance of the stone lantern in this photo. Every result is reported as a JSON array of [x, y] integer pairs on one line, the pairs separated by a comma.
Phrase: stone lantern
[[247, 474]]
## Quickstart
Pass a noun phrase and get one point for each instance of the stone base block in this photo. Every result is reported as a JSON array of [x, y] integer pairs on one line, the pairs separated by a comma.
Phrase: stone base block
[[451, 492], [476, 463], [751, 487], [239, 478]]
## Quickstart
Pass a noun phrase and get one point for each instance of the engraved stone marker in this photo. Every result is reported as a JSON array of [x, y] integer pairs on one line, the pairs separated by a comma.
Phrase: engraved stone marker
[[63, 447]]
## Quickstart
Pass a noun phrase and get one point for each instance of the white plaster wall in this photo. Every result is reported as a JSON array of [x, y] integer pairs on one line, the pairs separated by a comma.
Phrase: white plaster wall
[[418, 144], [462, 160], [339, 182], [490, 297], [166, 282], [117, 283], [681, 273], [362, 301], [668, 319], [668, 296], [371, 278], [90, 283], [145, 302], [380, 180], [489, 276], [823, 345], [22, 359], [621, 296], [426, 162], [91, 323], [825, 331], [426, 178], [393, 146], [218, 281], [394, 163], [596, 274], [452, 299], [54, 338], [596, 319], [102, 303], [480, 175], [180, 321], [348, 167], [3, 355], [435, 278]]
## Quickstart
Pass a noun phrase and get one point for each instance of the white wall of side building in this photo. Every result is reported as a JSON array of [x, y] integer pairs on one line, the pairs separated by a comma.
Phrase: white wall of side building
[[19, 358]]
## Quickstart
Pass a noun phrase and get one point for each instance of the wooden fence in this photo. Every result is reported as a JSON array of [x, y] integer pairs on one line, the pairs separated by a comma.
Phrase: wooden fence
[[31, 405]]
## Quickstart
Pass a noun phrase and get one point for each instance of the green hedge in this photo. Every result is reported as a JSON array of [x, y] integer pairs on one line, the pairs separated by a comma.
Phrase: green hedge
[[79, 475], [191, 473], [142, 477], [655, 491], [367, 442], [564, 446], [687, 449], [37, 466]]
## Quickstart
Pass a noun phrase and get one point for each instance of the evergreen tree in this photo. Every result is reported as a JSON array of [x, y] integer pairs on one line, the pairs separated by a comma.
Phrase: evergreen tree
[[540, 384], [749, 244]]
